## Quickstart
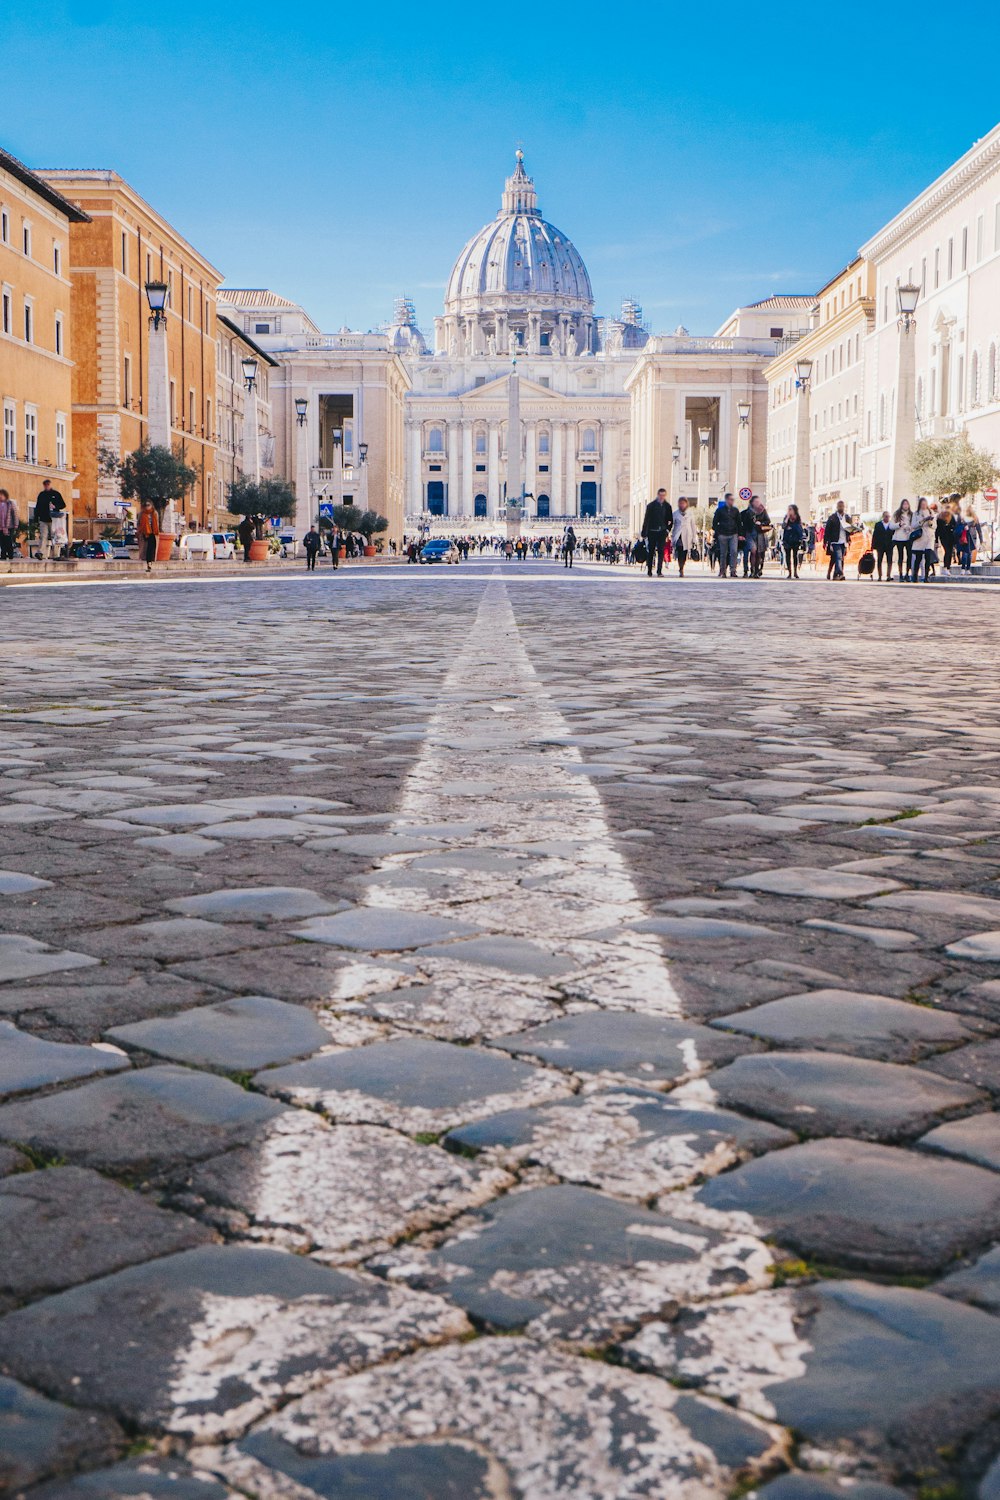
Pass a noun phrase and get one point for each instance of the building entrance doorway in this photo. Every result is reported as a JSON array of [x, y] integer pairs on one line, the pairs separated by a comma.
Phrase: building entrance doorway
[[588, 498], [435, 497], [479, 506]]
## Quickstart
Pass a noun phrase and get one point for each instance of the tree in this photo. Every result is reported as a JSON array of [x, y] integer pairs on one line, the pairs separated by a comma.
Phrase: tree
[[369, 522], [259, 499], [150, 472], [951, 466]]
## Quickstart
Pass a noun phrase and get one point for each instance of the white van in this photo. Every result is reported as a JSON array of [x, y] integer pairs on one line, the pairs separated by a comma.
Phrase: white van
[[197, 546], [224, 545]]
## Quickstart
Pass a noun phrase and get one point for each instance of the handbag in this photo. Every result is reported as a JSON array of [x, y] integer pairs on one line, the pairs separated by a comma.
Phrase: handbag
[[695, 554]]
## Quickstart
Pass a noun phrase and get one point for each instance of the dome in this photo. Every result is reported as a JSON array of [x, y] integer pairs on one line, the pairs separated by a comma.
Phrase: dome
[[519, 261]]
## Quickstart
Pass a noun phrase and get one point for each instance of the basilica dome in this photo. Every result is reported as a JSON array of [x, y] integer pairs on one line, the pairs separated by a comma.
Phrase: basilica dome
[[520, 277]]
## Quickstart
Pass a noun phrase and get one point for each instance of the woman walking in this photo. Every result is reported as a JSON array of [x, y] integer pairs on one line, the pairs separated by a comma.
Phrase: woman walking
[[902, 540], [924, 545], [792, 537]]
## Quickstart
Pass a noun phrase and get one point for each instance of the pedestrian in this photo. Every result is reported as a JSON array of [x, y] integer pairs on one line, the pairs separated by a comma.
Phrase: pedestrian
[[792, 537], [684, 534], [836, 535], [759, 528], [568, 546], [246, 533], [336, 542], [656, 525], [970, 538], [726, 527], [311, 542], [148, 529], [48, 504], [946, 531], [902, 538], [924, 546], [8, 528], [882, 542]]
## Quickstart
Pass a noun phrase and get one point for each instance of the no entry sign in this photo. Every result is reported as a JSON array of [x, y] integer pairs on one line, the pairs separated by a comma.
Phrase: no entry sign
[[990, 496], [746, 493]]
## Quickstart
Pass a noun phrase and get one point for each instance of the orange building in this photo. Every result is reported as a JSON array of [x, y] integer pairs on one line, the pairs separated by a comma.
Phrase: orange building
[[36, 369], [119, 246]]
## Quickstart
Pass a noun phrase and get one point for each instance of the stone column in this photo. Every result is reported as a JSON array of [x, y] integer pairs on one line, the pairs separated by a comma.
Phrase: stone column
[[801, 487], [530, 461], [303, 480], [609, 472], [467, 466], [493, 469], [251, 436], [414, 490], [158, 402], [703, 448], [572, 504], [453, 490], [558, 500]]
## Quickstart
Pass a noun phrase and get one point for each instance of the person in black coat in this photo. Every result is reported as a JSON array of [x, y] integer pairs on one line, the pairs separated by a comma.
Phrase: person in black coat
[[882, 542], [311, 542], [656, 527]]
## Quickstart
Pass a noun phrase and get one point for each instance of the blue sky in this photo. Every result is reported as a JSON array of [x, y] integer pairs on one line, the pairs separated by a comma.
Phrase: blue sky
[[698, 157]]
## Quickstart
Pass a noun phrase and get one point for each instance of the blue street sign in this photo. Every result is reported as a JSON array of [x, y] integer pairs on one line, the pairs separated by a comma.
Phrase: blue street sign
[[326, 508]]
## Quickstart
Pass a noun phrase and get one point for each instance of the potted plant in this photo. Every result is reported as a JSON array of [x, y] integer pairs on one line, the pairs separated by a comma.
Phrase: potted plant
[[151, 472], [260, 500], [368, 523]]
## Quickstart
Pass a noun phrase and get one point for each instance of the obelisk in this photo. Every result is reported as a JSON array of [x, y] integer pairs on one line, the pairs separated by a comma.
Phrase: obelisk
[[515, 484]]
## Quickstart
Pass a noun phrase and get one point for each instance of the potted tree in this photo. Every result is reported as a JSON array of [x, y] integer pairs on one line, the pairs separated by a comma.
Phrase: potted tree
[[369, 522], [260, 500], [151, 472]]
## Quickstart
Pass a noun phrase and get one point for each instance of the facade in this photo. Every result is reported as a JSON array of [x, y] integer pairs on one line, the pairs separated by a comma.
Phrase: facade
[[353, 384], [36, 369], [119, 244], [814, 426], [232, 412], [942, 376]]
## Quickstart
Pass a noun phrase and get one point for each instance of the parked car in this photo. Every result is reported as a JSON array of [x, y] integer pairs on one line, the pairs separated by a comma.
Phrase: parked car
[[224, 544], [439, 549], [197, 546]]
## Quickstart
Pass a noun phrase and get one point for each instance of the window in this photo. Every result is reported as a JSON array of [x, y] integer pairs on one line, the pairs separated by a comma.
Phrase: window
[[173, 404], [190, 304], [480, 468], [30, 435], [951, 259], [208, 418], [26, 239], [29, 321], [777, 333], [480, 380], [589, 440], [480, 442], [937, 268], [170, 288], [7, 319], [974, 380], [124, 253], [543, 442], [127, 381], [923, 277], [149, 267], [991, 374], [9, 430], [979, 238], [59, 333], [191, 421], [262, 328], [996, 227], [56, 259], [4, 226], [435, 441], [965, 249], [60, 440]]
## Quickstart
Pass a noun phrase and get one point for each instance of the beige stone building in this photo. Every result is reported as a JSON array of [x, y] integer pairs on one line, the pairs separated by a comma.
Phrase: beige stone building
[[233, 346], [36, 336], [815, 396], [118, 245]]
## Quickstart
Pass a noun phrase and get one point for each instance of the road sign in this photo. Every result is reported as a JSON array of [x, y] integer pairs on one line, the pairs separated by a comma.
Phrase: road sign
[[990, 496], [746, 494], [326, 508], [122, 504]]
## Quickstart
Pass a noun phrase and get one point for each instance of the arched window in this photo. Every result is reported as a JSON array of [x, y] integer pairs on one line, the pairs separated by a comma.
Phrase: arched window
[[542, 507], [543, 442], [480, 442], [479, 506], [435, 441], [589, 440]]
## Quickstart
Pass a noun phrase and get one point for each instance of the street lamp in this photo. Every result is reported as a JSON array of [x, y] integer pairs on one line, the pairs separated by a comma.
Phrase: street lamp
[[742, 446], [704, 436], [743, 412], [249, 372], [301, 407], [156, 296], [803, 372], [363, 452], [907, 296], [338, 462]]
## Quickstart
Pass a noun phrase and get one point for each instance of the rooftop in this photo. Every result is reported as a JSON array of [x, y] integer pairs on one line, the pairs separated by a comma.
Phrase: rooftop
[[38, 185]]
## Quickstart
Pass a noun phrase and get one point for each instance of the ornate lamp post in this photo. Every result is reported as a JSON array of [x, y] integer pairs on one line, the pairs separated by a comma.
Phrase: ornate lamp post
[[363, 461], [704, 438], [904, 425], [801, 486], [303, 478], [743, 445], [338, 464], [251, 439]]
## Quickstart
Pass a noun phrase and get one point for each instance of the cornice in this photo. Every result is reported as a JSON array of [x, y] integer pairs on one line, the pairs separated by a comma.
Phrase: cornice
[[956, 182]]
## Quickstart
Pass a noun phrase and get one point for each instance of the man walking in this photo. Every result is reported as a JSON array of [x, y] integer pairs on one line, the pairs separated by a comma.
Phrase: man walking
[[684, 535], [656, 525], [8, 527], [311, 542], [726, 526], [836, 535], [758, 529], [882, 539], [48, 504], [569, 547]]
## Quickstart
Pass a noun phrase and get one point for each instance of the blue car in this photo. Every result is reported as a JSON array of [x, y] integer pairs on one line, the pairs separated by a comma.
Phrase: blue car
[[439, 549]]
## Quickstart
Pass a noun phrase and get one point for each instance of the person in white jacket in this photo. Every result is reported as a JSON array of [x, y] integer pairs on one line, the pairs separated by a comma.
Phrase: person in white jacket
[[684, 534], [924, 544]]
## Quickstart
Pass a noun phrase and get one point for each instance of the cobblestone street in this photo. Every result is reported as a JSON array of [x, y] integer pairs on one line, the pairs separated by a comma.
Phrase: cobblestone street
[[497, 1032]]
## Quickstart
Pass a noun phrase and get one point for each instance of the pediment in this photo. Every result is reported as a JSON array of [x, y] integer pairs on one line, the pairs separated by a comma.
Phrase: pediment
[[498, 387]]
